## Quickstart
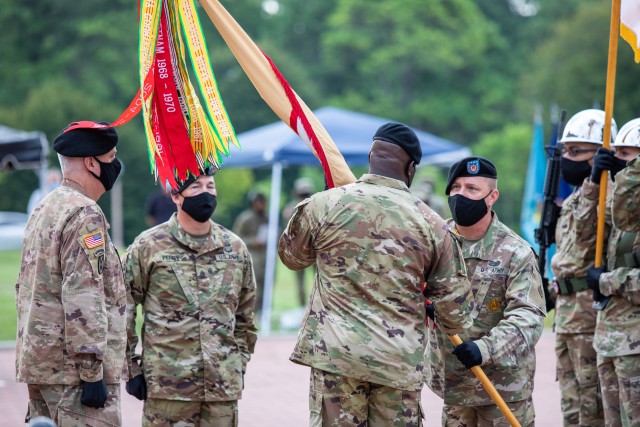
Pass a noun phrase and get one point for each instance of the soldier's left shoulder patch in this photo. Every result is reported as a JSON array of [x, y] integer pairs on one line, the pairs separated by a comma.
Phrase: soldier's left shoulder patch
[[93, 240]]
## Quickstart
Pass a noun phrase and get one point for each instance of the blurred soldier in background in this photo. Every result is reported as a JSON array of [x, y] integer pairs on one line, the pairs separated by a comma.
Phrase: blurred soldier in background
[[508, 311], [194, 281], [252, 227], [374, 244], [575, 318], [302, 189], [424, 190], [617, 336], [70, 293], [158, 208]]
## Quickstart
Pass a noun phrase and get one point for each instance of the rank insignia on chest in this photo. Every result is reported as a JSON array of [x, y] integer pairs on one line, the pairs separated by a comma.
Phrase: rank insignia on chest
[[93, 240], [494, 305]]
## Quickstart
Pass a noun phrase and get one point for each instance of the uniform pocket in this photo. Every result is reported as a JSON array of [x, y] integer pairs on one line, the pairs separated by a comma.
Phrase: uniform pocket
[[184, 283]]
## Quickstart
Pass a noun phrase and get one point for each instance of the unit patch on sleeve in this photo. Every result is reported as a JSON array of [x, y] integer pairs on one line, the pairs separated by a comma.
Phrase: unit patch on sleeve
[[93, 240]]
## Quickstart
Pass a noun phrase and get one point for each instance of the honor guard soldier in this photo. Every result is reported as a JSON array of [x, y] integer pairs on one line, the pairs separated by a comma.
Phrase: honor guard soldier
[[617, 335], [575, 318]]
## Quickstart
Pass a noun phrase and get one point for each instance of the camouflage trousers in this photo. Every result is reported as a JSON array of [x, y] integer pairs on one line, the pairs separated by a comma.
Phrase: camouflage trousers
[[62, 404], [487, 415], [577, 374], [181, 413], [338, 401], [620, 383]]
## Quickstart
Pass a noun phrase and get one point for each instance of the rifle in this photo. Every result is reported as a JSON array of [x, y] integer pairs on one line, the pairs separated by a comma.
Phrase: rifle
[[545, 234]]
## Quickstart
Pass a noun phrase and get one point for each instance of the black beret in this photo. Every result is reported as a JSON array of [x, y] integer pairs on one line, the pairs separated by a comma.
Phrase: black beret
[[210, 171], [402, 135], [85, 142], [470, 166]]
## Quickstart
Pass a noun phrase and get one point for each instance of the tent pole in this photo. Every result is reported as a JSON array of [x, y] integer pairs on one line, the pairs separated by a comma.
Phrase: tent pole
[[272, 243]]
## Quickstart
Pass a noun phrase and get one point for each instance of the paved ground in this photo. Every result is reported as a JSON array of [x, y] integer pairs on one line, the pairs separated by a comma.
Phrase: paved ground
[[276, 390]]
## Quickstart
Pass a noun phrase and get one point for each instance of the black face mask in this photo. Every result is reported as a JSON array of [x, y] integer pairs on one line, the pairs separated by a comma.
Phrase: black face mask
[[466, 211], [108, 173], [200, 207], [574, 172]]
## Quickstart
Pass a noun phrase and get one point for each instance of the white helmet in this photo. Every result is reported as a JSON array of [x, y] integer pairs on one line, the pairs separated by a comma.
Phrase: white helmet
[[587, 126], [629, 135]]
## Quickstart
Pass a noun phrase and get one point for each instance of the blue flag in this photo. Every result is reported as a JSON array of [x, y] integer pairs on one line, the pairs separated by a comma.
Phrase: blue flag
[[534, 185]]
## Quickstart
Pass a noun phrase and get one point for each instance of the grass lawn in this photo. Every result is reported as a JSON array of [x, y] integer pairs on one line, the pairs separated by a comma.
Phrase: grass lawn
[[9, 269]]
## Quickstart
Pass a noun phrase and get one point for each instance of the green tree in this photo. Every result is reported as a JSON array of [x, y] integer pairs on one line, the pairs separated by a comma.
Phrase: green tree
[[412, 63]]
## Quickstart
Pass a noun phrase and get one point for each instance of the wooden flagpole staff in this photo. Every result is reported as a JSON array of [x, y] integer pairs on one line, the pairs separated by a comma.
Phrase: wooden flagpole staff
[[608, 113], [486, 383]]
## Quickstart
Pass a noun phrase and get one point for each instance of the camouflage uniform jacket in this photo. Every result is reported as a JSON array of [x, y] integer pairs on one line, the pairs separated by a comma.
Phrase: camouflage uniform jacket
[[618, 326], [70, 295], [374, 244], [626, 197], [198, 302], [575, 254], [508, 318]]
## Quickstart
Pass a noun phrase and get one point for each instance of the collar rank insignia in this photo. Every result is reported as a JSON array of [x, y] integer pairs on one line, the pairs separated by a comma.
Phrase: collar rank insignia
[[93, 240]]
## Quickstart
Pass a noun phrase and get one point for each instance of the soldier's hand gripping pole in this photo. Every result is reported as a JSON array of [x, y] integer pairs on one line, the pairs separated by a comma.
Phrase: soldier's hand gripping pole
[[486, 383]]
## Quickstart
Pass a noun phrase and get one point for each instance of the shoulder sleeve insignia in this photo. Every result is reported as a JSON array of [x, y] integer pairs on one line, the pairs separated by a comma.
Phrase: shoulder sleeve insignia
[[93, 240]]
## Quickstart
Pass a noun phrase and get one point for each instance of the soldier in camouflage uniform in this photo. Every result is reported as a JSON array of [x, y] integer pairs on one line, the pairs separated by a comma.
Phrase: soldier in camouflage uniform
[[251, 226], [70, 293], [575, 318], [626, 197], [194, 281], [374, 244], [508, 315], [617, 335]]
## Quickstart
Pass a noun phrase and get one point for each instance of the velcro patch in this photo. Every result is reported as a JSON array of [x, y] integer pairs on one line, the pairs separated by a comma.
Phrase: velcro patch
[[93, 240]]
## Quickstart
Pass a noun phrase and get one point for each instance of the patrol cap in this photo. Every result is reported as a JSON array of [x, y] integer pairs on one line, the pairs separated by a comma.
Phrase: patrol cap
[[470, 166], [210, 171], [303, 185], [252, 196], [402, 135], [85, 142]]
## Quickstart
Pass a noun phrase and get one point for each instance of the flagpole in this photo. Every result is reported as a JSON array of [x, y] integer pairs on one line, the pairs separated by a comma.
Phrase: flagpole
[[486, 383], [608, 113]]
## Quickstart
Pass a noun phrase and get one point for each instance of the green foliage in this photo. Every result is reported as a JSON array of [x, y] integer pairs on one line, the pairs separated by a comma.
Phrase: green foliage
[[466, 70], [402, 61], [508, 149], [9, 269]]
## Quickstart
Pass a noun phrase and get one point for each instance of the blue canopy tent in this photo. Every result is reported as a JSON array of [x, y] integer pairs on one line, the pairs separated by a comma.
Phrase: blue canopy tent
[[276, 145], [350, 131]]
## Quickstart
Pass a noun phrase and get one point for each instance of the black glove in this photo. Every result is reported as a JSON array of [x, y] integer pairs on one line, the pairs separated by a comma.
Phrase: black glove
[[605, 160], [94, 394], [549, 303], [593, 281], [137, 387], [431, 310], [469, 354]]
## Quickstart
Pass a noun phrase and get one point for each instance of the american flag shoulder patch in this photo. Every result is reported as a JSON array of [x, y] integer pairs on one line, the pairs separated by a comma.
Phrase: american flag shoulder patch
[[93, 240]]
